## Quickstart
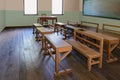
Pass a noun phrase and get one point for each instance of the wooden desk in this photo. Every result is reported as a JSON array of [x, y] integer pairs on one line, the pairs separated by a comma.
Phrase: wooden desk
[[73, 28], [72, 23], [35, 25], [59, 46], [60, 27], [63, 28], [43, 31], [110, 42], [43, 18]]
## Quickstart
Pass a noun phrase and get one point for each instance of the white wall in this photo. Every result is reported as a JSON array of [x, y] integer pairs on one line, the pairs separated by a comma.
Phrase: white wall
[[44, 5], [2, 14]]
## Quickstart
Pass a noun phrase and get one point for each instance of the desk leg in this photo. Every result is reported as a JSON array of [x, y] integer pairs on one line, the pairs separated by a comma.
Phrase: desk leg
[[74, 35], [108, 51], [33, 29], [43, 43], [56, 20], [55, 27], [65, 32], [52, 21], [45, 46], [37, 35], [56, 63], [110, 57]]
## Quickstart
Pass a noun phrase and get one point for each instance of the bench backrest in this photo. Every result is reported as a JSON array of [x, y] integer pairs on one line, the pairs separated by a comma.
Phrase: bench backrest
[[90, 25], [73, 23], [112, 30], [92, 41]]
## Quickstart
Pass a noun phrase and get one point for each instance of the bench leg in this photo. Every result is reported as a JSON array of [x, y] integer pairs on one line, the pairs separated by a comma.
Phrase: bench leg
[[100, 64], [89, 64]]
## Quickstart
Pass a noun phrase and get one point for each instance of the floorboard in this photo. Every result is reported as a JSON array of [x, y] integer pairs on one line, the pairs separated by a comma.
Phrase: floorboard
[[21, 59]]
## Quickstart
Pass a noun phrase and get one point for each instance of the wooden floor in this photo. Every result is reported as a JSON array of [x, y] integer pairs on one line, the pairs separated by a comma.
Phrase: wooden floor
[[20, 59]]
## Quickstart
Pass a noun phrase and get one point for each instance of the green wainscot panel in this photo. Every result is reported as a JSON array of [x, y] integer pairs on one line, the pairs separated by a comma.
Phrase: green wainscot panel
[[17, 18]]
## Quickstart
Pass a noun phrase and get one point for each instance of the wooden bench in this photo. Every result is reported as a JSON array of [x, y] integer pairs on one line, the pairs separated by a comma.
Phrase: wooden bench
[[84, 24], [114, 31], [84, 42], [35, 31], [89, 25], [110, 43]]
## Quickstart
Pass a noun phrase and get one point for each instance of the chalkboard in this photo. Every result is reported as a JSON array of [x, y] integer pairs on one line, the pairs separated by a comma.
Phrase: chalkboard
[[102, 8]]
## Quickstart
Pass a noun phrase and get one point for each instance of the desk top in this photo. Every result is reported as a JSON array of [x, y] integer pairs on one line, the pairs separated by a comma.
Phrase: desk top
[[58, 43], [60, 23], [105, 37], [37, 24], [48, 17], [73, 27], [45, 30], [112, 33]]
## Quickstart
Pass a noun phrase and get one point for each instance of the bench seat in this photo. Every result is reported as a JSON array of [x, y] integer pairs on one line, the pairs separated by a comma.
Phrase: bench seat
[[89, 45], [83, 49]]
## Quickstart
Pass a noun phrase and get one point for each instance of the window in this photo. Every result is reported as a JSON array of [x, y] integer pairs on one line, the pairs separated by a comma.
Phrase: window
[[30, 7], [57, 6]]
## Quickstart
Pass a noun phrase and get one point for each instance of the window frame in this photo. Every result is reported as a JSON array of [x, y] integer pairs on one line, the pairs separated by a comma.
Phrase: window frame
[[29, 14], [62, 9]]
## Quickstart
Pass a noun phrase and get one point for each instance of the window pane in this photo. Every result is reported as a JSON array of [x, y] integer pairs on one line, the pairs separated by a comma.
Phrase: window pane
[[30, 7], [57, 6]]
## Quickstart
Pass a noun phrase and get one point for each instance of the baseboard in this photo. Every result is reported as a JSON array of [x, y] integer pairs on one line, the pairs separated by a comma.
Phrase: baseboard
[[19, 26], [1, 29], [8, 27]]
